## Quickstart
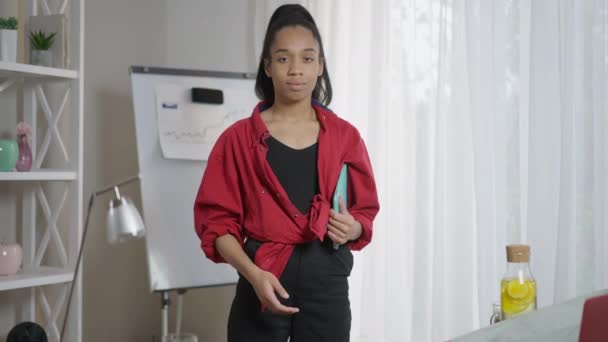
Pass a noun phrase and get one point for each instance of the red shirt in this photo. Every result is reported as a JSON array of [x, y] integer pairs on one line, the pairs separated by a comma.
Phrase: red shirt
[[240, 195]]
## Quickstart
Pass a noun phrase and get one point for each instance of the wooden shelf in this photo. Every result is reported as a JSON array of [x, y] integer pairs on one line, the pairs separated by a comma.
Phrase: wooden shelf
[[35, 277], [38, 175], [10, 70]]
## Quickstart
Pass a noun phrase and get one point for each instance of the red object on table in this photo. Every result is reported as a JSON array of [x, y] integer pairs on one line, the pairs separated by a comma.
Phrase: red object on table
[[594, 324]]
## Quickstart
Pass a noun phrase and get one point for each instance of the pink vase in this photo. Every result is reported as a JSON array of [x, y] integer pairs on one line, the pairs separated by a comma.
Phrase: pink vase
[[24, 162], [11, 256]]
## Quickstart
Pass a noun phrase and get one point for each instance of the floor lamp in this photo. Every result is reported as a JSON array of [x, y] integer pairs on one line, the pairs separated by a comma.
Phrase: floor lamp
[[123, 223]]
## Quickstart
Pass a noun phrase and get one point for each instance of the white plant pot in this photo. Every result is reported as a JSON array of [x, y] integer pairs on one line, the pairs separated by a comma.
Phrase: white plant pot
[[42, 57], [8, 45]]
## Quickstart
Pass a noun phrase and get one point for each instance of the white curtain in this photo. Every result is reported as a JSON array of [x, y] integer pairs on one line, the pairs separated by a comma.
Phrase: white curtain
[[487, 124]]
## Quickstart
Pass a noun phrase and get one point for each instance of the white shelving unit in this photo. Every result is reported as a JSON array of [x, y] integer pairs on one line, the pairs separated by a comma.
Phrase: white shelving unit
[[34, 72], [48, 201], [39, 175], [39, 277]]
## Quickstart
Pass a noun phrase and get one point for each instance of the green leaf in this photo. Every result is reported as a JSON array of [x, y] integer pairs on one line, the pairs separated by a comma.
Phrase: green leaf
[[41, 40], [8, 23]]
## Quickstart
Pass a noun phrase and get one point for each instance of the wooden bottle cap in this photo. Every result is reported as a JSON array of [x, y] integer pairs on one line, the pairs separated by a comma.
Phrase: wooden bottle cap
[[518, 253]]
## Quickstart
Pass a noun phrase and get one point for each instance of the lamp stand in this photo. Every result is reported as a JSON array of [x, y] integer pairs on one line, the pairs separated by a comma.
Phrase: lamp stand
[[81, 249]]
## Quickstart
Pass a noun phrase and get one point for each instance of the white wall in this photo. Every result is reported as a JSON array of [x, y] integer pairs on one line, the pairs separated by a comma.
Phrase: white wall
[[190, 34], [117, 303], [209, 35], [8, 8], [213, 35]]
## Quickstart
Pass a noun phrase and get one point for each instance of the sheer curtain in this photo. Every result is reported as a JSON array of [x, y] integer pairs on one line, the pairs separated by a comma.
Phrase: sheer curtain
[[486, 122]]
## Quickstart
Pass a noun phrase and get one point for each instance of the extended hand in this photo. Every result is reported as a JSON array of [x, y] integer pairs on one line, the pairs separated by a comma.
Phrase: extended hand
[[342, 227], [266, 285]]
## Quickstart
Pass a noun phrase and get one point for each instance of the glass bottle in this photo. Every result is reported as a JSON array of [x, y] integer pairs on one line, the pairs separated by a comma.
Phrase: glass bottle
[[518, 286], [24, 162]]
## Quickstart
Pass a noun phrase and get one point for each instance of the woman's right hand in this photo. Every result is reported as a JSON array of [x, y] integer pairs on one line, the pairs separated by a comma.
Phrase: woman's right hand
[[266, 286]]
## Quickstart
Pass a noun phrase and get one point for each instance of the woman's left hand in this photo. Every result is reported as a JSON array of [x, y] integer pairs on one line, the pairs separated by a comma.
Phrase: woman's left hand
[[342, 227]]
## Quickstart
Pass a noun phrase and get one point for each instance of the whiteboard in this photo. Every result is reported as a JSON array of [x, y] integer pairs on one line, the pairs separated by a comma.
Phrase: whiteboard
[[171, 173]]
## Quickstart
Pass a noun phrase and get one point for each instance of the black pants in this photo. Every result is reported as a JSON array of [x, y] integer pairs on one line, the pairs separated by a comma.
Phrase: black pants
[[316, 279]]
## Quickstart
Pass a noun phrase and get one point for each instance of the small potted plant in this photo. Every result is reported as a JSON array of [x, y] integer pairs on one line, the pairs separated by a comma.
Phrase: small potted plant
[[41, 44], [8, 39]]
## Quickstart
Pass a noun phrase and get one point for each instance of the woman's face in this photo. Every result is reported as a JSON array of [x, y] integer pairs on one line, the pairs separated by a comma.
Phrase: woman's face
[[294, 64]]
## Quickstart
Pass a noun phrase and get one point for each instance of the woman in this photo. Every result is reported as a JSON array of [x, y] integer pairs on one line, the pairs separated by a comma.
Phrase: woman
[[264, 201]]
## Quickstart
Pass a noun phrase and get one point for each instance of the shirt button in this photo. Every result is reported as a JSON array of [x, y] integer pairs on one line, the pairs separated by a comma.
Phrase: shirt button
[[263, 191], [278, 194], [296, 215]]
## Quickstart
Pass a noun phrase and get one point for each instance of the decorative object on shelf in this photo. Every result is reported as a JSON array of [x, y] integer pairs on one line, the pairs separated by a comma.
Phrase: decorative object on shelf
[[41, 44], [24, 161], [123, 223], [54, 23], [11, 256], [8, 39], [8, 154], [27, 332]]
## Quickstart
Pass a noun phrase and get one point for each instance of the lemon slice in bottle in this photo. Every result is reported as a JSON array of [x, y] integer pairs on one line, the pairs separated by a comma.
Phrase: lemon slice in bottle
[[517, 290], [517, 297]]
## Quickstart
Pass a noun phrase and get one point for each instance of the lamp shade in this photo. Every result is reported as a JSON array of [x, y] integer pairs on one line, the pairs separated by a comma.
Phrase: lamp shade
[[124, 221]]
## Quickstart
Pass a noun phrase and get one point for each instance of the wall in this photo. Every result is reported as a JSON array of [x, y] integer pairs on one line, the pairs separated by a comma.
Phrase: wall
[[117, 303], [181, 34], [213, 35], [209, 35]]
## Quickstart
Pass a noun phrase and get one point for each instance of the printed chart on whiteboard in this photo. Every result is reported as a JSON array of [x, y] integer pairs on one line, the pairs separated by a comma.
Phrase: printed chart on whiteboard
[[189, 130]]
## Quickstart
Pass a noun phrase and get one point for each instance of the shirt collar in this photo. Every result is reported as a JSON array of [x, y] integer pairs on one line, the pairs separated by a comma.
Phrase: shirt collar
[[260, 131]]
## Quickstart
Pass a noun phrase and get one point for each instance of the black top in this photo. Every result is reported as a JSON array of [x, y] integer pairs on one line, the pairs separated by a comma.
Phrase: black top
[[296, 170]]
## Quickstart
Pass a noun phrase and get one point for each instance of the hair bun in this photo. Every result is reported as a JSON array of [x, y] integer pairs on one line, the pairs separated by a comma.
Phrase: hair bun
[[291, 10]]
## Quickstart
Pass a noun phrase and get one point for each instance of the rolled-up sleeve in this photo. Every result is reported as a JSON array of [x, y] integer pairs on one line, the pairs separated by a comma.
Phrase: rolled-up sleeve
[[218, 208], [362, 195]]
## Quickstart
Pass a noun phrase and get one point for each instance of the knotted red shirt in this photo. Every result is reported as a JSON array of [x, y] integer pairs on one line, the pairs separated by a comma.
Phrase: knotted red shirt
[[240, 195]]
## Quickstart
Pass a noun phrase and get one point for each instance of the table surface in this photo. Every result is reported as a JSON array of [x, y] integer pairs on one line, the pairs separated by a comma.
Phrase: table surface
[[555, 323]]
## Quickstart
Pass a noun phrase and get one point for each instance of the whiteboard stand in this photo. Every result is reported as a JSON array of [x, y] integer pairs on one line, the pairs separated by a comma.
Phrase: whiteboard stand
[[180, 305], [165, 303]]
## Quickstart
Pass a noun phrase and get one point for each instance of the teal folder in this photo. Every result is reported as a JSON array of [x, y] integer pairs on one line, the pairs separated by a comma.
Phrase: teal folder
[[341, 191]]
